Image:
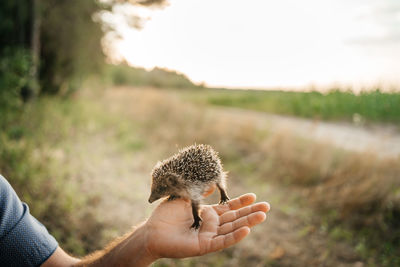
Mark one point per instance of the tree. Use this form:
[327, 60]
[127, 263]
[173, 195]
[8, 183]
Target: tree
[35, 46]
[62, 36]
[15, 59]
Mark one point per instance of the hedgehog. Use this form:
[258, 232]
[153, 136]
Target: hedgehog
[189, 174]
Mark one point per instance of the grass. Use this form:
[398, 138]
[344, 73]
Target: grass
[368, 106]
[32, 166]
[356, 195]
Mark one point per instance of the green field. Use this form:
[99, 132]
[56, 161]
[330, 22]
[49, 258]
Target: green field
[371, 106]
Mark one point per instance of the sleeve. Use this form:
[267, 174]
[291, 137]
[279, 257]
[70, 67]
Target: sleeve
[24, 241]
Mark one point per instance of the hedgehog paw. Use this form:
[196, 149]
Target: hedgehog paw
[224, 200]
[172, 197]
[196, 224]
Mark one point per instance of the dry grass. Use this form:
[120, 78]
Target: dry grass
[351, 183]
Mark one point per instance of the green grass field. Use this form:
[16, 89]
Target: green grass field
[372, 106]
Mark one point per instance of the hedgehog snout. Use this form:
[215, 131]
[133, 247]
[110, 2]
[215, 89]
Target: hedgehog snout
[152, 198]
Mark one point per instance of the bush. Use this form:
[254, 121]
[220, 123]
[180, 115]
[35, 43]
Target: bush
[14, 76]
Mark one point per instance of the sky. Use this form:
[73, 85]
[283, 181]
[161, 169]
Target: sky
[269, 44]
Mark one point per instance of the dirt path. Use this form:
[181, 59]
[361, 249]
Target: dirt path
[382, 140]
[120, 175]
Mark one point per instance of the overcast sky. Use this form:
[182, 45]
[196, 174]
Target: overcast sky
[263, 43]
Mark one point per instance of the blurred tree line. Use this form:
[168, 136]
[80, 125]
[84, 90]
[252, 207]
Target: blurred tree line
[123, 74]
[49, 46]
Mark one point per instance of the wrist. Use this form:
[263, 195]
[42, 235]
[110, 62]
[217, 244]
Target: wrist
[129, 250]
[139, 241]
[134, 250]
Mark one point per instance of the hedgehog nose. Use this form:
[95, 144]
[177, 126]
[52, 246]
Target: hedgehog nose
[151, 199]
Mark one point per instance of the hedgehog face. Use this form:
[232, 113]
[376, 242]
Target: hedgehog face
[164, 185]
[158, 191]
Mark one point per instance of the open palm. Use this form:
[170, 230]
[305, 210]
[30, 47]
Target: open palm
[170, 235]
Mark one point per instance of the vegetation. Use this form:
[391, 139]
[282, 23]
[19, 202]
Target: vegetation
[71, 47]
[71, 37]
[160, 78]
[370, 106]
[29, 164]
[14, 76]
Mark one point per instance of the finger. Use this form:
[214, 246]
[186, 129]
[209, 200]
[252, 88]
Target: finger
[236, 203]
[232, 215]
[210, 220]
[223, 241]
[249, 221]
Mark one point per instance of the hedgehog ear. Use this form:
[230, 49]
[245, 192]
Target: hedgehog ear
[172, 179]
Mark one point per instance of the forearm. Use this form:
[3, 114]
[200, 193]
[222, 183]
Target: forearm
[129, 250]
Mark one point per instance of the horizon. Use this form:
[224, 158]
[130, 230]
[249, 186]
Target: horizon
[308, 88]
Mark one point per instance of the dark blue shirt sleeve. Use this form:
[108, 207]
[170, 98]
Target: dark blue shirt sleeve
[24, 241]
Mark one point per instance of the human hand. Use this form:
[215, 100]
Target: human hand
[169, 234]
